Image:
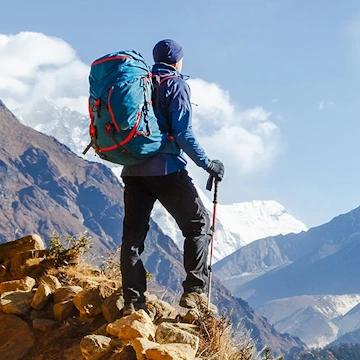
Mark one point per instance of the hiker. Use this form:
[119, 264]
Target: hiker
[164, 177]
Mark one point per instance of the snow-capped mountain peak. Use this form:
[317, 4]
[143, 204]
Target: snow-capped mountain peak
[237, 224]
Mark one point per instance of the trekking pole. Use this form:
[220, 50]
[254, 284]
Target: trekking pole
[212, 229]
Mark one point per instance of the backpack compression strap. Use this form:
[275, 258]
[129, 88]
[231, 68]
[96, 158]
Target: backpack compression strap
[92, 128]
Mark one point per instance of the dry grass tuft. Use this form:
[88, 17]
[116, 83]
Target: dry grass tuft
[217, 341]
[108, 277]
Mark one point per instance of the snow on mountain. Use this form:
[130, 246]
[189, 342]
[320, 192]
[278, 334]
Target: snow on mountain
[316, 320]
[237, 224]
[69, 127]
[350, 321]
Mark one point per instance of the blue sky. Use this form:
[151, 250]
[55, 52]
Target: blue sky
[296, 59]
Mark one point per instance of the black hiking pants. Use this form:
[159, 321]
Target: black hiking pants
[177, 194]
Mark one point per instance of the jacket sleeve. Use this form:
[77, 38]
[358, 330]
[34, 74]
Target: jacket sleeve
[180, 115]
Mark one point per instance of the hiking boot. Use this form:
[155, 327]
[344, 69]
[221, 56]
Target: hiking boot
[194, 300]
[129, 309]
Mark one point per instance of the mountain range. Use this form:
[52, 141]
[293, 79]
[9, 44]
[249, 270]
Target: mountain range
[290, 279]
[237, 224]
[46, 187]
[306, 284]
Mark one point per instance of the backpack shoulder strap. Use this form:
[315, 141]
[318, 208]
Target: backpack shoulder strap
[160, 79]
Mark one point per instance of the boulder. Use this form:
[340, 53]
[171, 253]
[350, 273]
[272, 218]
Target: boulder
[191, 316]
[19, 260]
[66, 293]
[30, 242]
[88, 301]
[111, 307]
[51, 281]
[48, 285]
[160, 309]
[167, 333]
[171, 352]
[140, 346]
[16, 302]
[41, 297]
[17, 337]
[25, 284]
[148, 350]
[93, 347]
[63, 310]
[133, 326]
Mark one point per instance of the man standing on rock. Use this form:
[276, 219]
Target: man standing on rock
[163, 177]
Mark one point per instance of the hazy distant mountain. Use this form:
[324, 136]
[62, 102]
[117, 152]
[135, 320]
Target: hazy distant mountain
[316, 320]
[306, 284]
[323, 260]
[237, 224]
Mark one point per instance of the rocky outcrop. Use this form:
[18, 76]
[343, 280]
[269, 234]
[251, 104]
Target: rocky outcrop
[49, 305]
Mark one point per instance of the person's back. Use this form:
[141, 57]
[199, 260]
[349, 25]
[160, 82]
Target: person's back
[163, 177]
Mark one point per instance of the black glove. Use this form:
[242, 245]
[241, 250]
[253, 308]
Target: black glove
[216, 169]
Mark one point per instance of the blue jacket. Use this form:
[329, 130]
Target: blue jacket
[172, 106]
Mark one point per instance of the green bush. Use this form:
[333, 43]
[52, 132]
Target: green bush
[67, 251]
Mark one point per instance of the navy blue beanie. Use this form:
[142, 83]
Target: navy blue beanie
[168, 51]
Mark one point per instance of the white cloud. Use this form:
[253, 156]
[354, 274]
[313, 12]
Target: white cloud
[33, 65]
[246, 140]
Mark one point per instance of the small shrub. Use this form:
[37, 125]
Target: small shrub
[67, 252]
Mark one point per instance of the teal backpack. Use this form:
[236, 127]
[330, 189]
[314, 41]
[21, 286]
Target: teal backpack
[123, 126]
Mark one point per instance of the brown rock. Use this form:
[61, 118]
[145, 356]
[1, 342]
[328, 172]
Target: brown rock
[44, 325]
[191, 316]
[66, 293]
[171, 352]
[16, 302]
[48, 285]
[30, 242]
[17, 337]
[160, 309]
[133, 326]
[41, 297]
[25, 284]
[64, 310]
[148, 350]
[167, 333]
[19, 260]
[51, 281]
[111, 307]
[140, 346]
[93, 347]
[88, 301]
